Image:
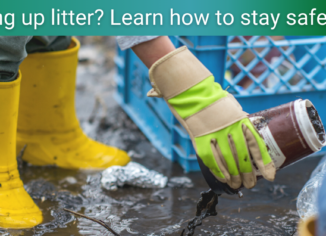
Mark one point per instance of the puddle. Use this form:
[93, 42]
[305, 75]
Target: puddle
[269, 209]
[206, 207]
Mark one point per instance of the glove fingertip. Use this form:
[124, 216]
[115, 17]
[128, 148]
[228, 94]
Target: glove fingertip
[249, 180]
[269, 172]
[227, 177]
[235, 181]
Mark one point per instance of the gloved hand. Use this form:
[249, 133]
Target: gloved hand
[223, 136]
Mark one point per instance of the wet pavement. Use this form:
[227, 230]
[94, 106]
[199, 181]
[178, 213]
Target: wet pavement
[268, 209]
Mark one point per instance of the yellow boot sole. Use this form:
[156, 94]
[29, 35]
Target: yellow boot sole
[71, 150]
[18, 210]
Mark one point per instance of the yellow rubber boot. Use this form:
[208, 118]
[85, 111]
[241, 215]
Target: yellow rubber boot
[47, 121]
[17, 209]
[307, 227]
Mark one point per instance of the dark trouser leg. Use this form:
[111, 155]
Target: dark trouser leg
[48, 43]
[12, 53]
[14, 49]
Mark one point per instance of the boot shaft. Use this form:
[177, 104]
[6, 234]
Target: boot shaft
[9, 97]
[48, 92]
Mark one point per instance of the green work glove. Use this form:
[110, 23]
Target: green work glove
[223, 136]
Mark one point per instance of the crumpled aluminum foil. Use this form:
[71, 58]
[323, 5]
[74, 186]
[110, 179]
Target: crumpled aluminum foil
[132, 174]
[180, 182]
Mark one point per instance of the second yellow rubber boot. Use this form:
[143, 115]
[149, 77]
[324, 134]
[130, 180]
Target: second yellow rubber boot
[307, 227]
[47, 121]
[17, 209]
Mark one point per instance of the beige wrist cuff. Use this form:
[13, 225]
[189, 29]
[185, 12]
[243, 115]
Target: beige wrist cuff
[175, 73]
[219, 115]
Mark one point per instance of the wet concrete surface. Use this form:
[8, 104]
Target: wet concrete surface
[268, 209]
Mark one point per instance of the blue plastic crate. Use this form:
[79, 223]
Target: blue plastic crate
[261, 73]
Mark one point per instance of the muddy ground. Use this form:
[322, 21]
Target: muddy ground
[268, 209]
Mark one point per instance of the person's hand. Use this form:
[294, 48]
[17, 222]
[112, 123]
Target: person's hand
[222, 134]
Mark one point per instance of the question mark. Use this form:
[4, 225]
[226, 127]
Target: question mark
[99, 18]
